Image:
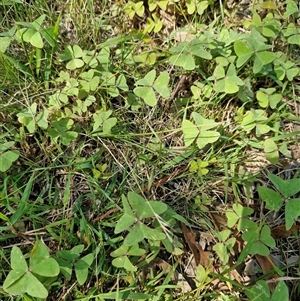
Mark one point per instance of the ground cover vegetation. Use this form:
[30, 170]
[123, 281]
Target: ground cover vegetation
[149, 150]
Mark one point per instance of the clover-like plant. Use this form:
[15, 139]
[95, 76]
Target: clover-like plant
[284, 196]
[199, 131]
[24, 279]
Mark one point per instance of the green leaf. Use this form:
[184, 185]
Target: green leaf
[292, 212]
[261, 59]
[291, 8]
[27, 284]
[232, 218]
[65, 268]
[124, 222]
[203, 123]
[124, 262]
[241, 210]
[4, 43]
[71, 255]
[263, 99]
[135, 235]
[75, 64]
[122, 250]
[152, 234]
[82, 268]
[266, 238]
[161, 84]
[136, 251]
[41, 263]
[148, 79]
[207, 137]
[272, 198]
[281, 292]
[271, 151]
[143, 208]
[259, 292]
[243, 51]
[222, 252]
[35, 288]
[287, 187]
[14, 281]
[17, 260]
[190, 132]
[7, 159]
[184, 60]
[147, 94]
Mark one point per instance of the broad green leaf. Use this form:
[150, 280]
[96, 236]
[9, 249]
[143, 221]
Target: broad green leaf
[259, 292]
[143, 208]
[41, 263]
[7, 159]
[262, 129]
[263, 99]
[82, 268]
[36, 40]
[265, 236]
[161, 84]
[77, 51]
[274, 100]
[241, 210]
[287, 187]
[38, 22]
[291, 8]
[136, 251]
[245, 224]
[243, 51]
[259, 248]
[148, 79]
[291, 73]
[71, 255]
[232, 218]
[184, 60]
[124, 262]
[17, 260]
[108, 124]
[292, 212]
[190, 132]
[15, 282]
[135, 235]
[226, 85]
[281, 292]
[222, 252]
[125, 222]
[66, 267]
[26, 284]
[75, 64]
[35, 288]
[14, 277]
[203, 123]
[272, 198]
[202, 6]
[261, 59]
[147, 94]
[271, 151]
[6, 145]
[196, 48]
[122, 250]
[207, 137]
[4, 43]
[152, 234]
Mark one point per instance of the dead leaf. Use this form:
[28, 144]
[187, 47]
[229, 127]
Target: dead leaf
[267, 265]
[280, 232]
[200, 256]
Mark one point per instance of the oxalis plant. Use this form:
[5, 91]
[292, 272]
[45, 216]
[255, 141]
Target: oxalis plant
[144, 220]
